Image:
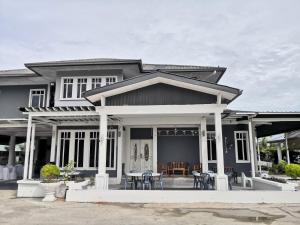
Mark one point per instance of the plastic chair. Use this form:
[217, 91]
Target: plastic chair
[129, 181]
[196, 180]
[160, 180]
[245, 180]
[1, 172]
[146, 180]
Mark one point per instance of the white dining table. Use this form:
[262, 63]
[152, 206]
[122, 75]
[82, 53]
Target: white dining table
[210, 174]
[139, 174]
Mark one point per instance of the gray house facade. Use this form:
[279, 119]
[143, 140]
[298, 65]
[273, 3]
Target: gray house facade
[111, 116]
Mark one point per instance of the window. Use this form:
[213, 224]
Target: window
[82, 147]
[37, 98]
[64, 148]
[111, 149]
[211, 146]
[96, 82]
[81, 86]
[79, 149]
[67, 88]
[72, 88]
[94, 149]
[110, 80]
[241, 146]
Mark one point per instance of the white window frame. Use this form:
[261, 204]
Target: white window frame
[211, 161]
[80, 84]
[88, 85]
[236, 146]
[86, 153]
[43, 96]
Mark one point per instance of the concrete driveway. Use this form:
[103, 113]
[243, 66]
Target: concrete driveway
[33, 211]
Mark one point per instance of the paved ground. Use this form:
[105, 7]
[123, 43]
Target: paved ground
[15, 211]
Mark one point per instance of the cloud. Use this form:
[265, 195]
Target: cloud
[258, 41]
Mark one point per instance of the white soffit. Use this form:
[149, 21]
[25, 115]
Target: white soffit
[156, 80]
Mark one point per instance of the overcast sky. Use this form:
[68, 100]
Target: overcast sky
[258, 41]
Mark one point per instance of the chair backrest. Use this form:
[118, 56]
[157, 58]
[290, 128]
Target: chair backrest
[146, 176]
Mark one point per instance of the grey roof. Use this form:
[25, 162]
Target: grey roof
[16, 73]
[181, 67]
[84, 62]
[172, 76]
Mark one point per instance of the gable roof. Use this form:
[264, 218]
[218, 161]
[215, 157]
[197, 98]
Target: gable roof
[137, 82]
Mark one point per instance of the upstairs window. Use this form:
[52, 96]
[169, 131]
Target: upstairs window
[37, 98]
[110, 80]
[67, 88]
[81, 86]
[211, 146]
[241, 147]
[96, 82]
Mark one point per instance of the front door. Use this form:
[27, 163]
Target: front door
[141, 155]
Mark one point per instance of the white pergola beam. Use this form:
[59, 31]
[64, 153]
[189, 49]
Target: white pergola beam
[162, 109]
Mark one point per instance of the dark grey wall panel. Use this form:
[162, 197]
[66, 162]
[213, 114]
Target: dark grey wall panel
[178, 148]
[13, 97]
[141, 133]
[161, 94]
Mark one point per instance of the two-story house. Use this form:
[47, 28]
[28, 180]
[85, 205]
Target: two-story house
[110, 116]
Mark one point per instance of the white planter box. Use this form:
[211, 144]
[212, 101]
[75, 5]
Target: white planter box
[30, 189]
[263, 184]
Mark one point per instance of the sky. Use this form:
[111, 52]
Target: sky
[258, 40]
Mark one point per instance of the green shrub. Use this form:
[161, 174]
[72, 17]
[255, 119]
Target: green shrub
[292, 170]
[50, 172]
[281, 166]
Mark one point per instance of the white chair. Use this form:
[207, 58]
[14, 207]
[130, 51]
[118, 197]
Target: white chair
[245, 180]
[5, 173]
[12, 173]
[19, 170]
[1, 172]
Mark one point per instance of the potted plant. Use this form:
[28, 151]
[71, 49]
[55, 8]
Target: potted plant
[67, 172]
[49, 175]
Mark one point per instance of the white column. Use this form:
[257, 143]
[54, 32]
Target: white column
[102, 176]
[203, 136]
[258, 150]
[251, 144]
[287, 149]
[221, 179]
[120, 153]
[53, 143]
[200, 145]
[32, 147]
[279, 155]
[154, 154]
[12, 153]
[29, 124]
[127, 149]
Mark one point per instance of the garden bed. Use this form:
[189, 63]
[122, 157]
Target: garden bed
[267, 184]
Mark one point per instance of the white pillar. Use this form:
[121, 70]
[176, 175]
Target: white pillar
[127, 149]
[120, 152]
[12, 153]
[221, 179]
[279, 155]
[287, 149]
[32, 147]
[102, 176]
[200, 145]
[154, 155]
[251, 144]
[203, 137]
[53, 143]
[29, 124]
[258, 150]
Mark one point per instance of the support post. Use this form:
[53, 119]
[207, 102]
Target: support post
[32, 147]
[53, 143]
[102, 176]
[287, 149]
[120, 153]
[279, 155]
[250, 130]
[221, 179]
[154, 155]
[203, 136]
[258, 150]
[12, 152]
[29, 124]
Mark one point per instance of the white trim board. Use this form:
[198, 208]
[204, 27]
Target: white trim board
[156, 80]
